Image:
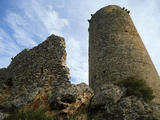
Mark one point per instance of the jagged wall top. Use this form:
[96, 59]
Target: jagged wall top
[43, 66]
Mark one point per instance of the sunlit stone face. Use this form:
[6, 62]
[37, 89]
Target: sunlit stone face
[116, 50]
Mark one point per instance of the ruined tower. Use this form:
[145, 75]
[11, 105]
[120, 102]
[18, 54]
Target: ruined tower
[116, 50]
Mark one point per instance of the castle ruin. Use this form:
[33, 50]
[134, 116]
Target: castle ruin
[38, 78]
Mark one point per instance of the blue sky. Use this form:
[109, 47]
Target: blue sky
[26, 23]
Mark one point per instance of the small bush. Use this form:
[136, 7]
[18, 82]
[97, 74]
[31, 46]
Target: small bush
[66, 116]
[29, 115]
[138, 88]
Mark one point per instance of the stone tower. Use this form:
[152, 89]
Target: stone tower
[116, 50]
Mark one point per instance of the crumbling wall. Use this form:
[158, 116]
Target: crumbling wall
[36, 68]
[38, 78]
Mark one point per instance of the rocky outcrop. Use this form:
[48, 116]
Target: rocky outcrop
[111, 103]
[72, 100]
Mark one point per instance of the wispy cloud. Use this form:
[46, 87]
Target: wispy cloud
[7, 46]
[29, 25]
[18, 24]
[77, 61]
[34, 20]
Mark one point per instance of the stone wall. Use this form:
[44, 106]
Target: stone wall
[38, 78]
[36, 68]
[2, 76]
[116, 50]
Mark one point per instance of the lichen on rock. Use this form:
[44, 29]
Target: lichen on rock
[39, 78]
[30, 70]
[111, 103]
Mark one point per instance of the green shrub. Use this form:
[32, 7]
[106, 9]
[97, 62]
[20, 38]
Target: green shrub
[29, 115]
[138, 88]
[66, 116]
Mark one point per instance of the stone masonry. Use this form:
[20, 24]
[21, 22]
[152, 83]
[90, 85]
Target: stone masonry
[38, 78]
[43, 66]
[116, 50]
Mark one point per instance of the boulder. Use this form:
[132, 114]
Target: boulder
[111, 103]
[72, 100]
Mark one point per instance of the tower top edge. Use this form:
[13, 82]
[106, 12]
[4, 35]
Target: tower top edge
[109, 8]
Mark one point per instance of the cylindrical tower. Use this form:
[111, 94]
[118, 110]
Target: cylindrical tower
[116, 50]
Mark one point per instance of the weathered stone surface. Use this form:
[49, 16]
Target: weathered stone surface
[71, 100]
[156, 109]
[116, 51]
[107, 93]
[2, 76]
[32, 70]
[110, 103]
[38, 78]
[3, 115]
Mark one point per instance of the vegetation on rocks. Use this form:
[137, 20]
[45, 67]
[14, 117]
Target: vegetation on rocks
[138, 88]
[29, 115]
